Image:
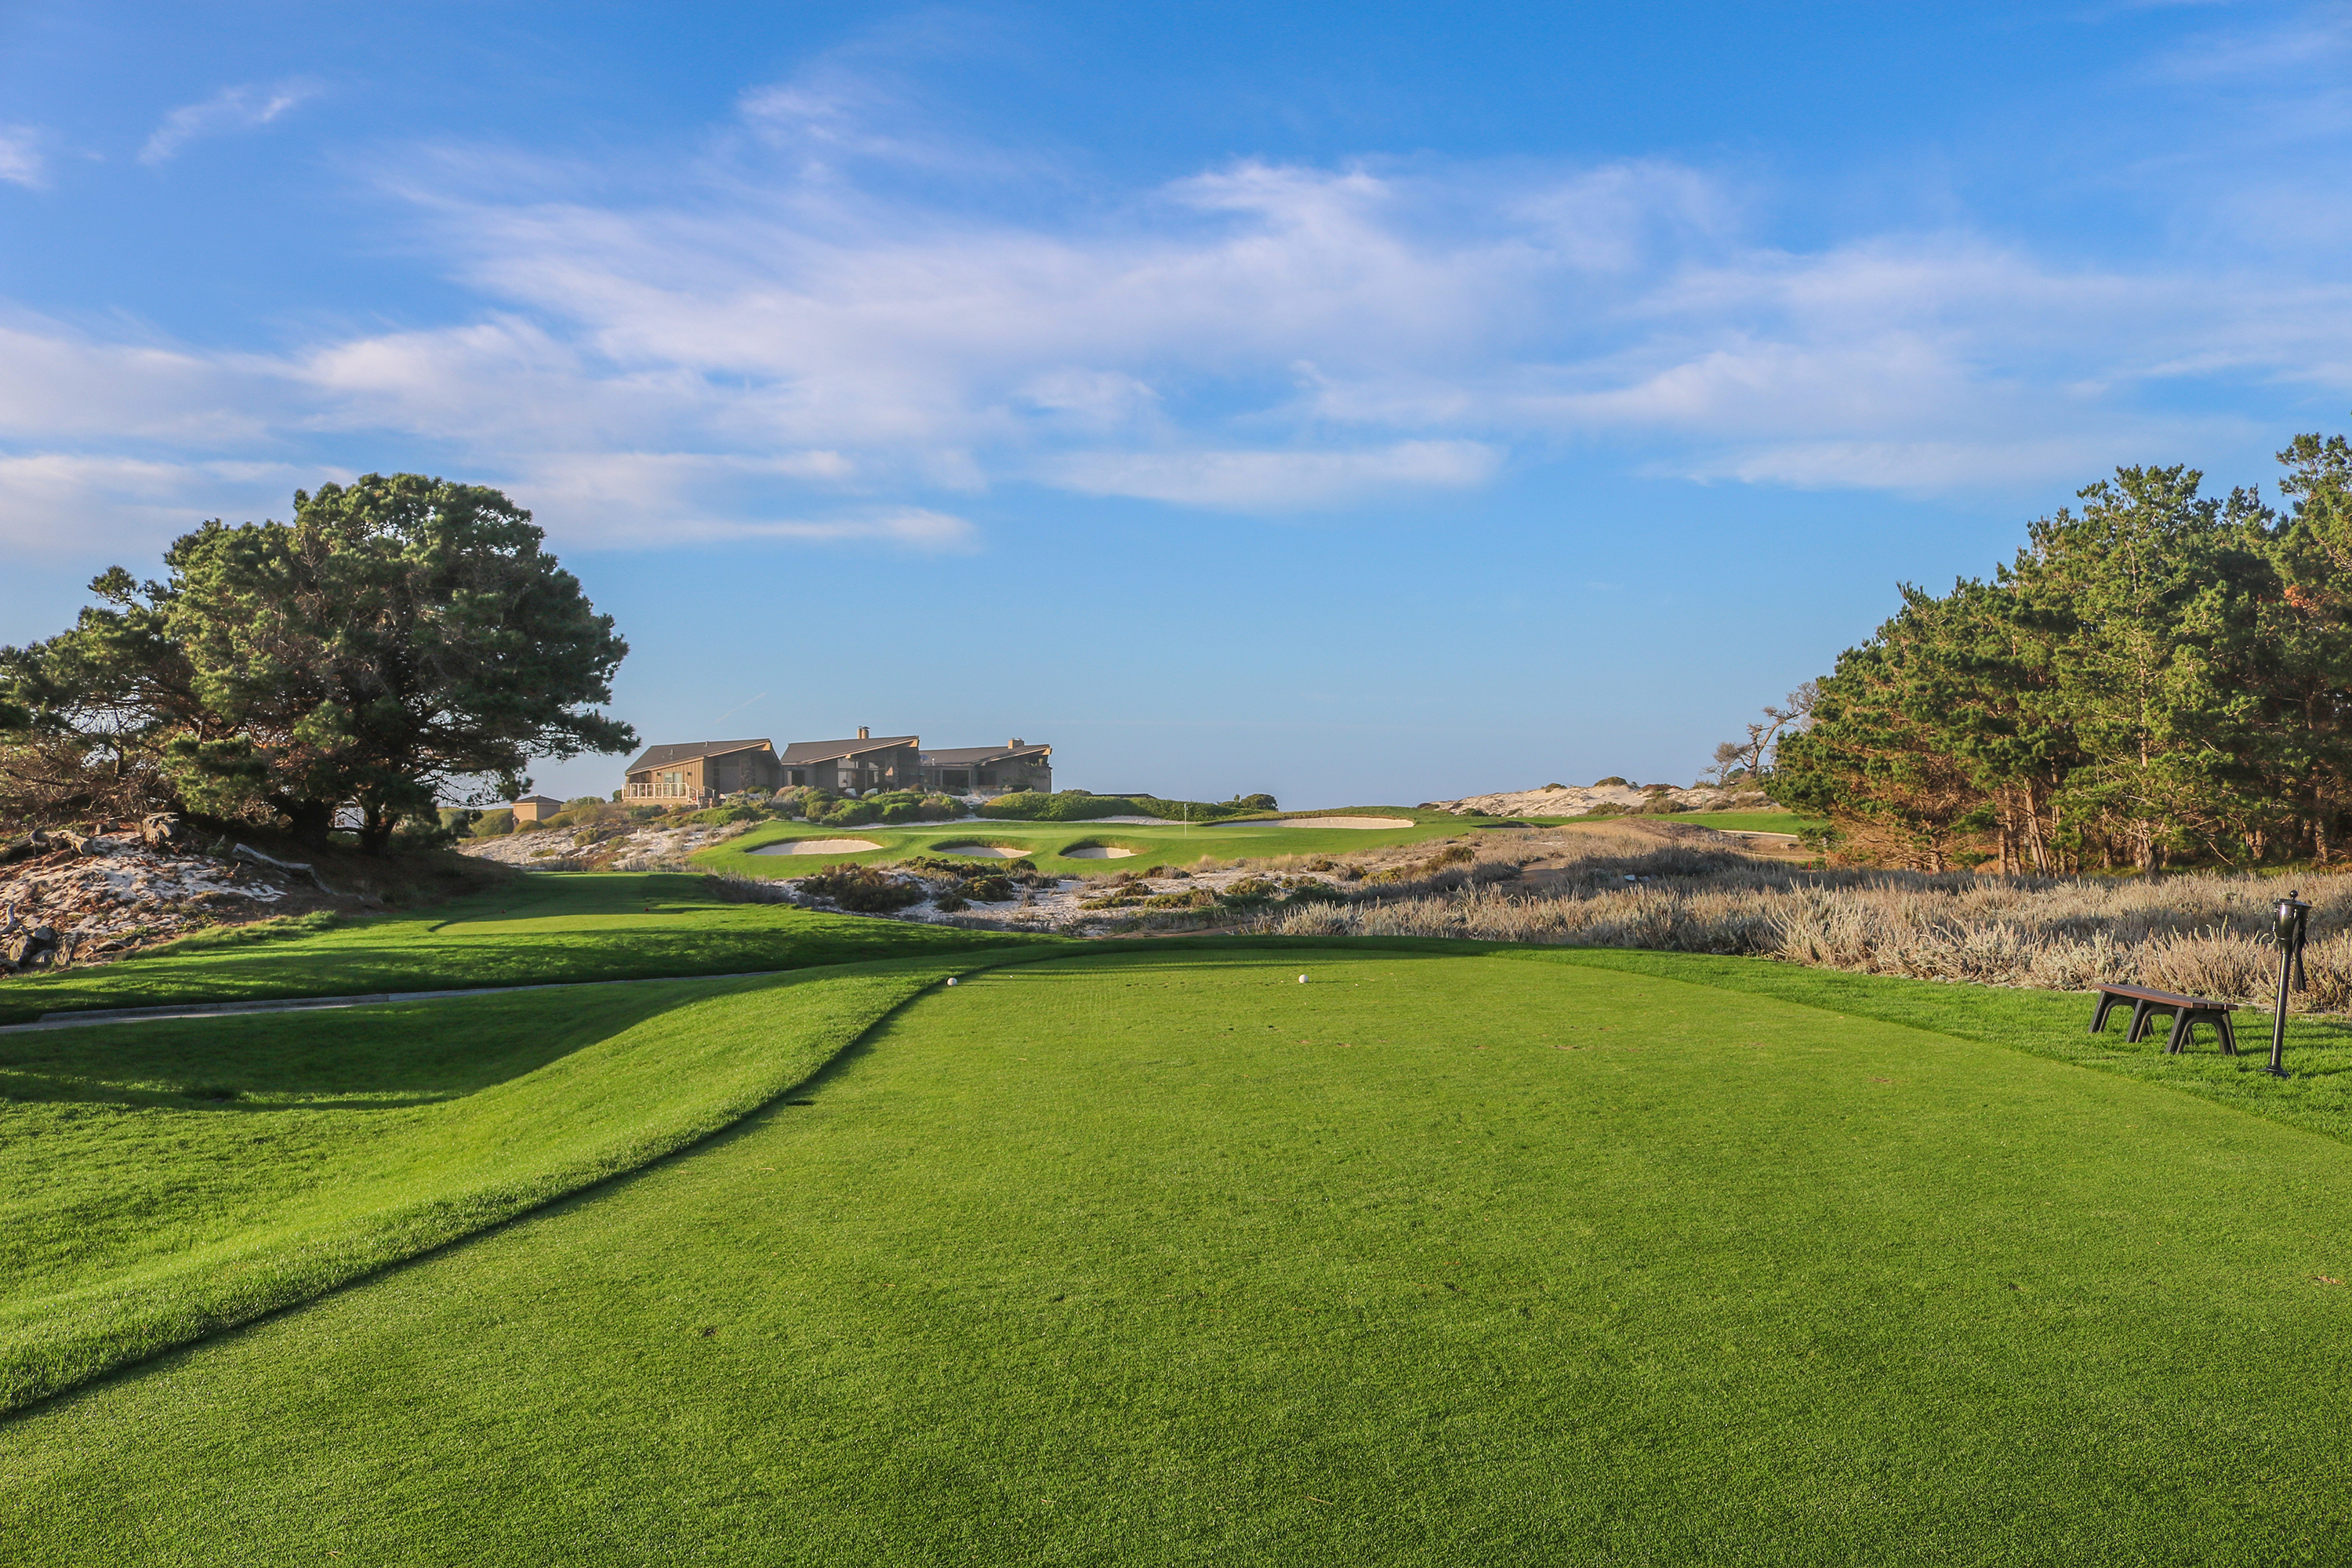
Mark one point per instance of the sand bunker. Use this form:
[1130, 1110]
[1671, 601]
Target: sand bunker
[819, 846]
[1365, 822]
[1099, 852]
[986, 851]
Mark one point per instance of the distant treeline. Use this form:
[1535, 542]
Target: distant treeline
[2160, 676]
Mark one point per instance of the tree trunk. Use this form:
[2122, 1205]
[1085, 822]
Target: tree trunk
[375, 832]
[308, 821]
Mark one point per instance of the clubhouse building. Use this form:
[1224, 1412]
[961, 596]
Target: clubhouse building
[700, 771]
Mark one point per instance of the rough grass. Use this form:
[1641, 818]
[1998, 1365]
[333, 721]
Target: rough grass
[534, 930]
[161, 1181]
[1643, 887]
[1157, 1255]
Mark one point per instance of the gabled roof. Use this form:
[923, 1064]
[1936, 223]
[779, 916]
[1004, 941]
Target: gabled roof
[966, 756]
[538, 800]
[669, 756]
[801, 752]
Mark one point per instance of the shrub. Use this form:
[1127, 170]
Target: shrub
[864, 890]
[1612, 782]
[493, 825]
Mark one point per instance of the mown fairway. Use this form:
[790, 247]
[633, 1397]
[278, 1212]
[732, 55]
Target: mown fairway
[1045, 843]
[1155, 1255]
[159, 1181]
[546, 928]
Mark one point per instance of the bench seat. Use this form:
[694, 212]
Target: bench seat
[2188, 1012]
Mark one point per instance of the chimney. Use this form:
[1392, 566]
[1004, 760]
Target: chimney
[1016, 740]
[864, 733]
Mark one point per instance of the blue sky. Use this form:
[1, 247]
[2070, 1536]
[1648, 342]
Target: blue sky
[1362, 403]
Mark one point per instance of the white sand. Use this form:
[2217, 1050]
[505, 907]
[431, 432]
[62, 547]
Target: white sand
[986, 851]
[819, 846]
[1364, 822]
[1099, 852]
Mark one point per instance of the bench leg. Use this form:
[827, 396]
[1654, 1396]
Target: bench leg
[2139, 1031]
[2099, 1018]
[2184, 1031]
[2229, 1035]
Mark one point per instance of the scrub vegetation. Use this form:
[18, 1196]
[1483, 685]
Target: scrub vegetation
[1660, 887]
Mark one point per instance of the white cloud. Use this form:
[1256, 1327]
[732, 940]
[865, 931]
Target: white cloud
[784, 342]
[70, 506]
[22, 161]
[1280, 481]
[231, 109]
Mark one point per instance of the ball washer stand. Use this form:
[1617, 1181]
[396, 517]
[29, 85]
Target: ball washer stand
[2293, 925]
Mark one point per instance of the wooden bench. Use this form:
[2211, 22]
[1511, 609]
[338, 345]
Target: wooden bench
[2188, 1012]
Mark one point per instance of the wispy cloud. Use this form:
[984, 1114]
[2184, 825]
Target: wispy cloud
[782, 342]
[231, 109]
[22, 160]
[1278, 481]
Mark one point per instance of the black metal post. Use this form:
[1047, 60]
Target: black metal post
[2294, 922]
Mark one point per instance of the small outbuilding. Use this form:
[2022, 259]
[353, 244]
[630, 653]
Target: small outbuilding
[535, 808]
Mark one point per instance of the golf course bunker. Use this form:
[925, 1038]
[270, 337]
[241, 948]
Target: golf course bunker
[819, 846]
[1097, 852]
[985, 851]
[1364, 822]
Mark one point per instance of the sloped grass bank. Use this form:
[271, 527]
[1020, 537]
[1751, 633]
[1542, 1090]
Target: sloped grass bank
[544, 929]
[163, 1181]
[1155, 1255]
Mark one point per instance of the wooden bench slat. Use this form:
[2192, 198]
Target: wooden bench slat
[2170, 998]
[2188, 1012]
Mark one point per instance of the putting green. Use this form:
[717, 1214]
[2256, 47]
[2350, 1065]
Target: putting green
[1159, 1256]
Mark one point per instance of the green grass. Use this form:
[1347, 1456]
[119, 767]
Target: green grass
[544, 929]
[163, 1180]
[1044, 842]
[1153, 1254]
[1748, 821]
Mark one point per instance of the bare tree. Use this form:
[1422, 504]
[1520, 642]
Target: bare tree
[1752, 758]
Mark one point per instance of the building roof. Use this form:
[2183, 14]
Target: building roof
[668, 756]
[966, 756]
[801, 752]
[536, 800]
